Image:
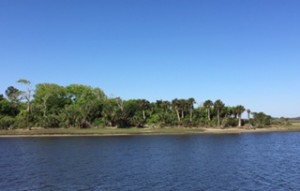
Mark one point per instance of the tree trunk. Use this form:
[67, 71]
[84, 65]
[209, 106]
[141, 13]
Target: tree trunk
[28, 106]
[240, 120]
[45, 108]
[178, 116]
[218, 113]
[208, 114]
[28, 97]
[144, 115]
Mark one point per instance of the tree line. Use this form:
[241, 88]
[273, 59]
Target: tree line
[80, 106]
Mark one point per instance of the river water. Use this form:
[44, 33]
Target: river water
[268, 161]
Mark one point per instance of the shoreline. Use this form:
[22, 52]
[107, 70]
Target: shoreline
[109, 132]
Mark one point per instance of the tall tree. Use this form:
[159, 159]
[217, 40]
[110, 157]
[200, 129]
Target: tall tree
[163, 105]
[50, 99]
[161, 114]
[249, 114]
[27, 93]
[176, 105]
[208, 105]
[145, 105]
[110, 111]
[235, 112]
[13, 94]
[120, 103]
[190, 105]
[228, 111]
[86, 101]
[218, 106]
[240, 110]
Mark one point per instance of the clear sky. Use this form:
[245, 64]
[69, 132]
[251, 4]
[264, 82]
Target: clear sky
[240, 51]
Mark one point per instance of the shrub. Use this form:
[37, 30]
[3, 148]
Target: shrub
[7, 122]
[99, 123]
[261, 120]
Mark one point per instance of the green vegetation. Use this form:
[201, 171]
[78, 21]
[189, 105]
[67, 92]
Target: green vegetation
[103, 131]
[83, 107]
[296, 124]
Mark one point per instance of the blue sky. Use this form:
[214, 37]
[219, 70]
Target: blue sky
[242, 52]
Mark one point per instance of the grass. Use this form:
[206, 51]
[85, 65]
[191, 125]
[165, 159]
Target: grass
[296, 124]
[101, 131]
[295, 127]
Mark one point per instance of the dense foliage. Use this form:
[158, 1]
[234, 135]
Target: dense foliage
[54, 106]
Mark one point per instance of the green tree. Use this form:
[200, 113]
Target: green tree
[144, 105]
[8, 113]
[181, 107]
[134, 113]
[85, 101]
[8, 108]
[261, 119]
[111, 110]
[27, 93]
[208, 104]
[190, 106]
[283, 121]
[162, 115]
[177, 106]
[249, 115]
[1, 97]
[218, 106]
[50, 101]
[13, 94]
[240, 110]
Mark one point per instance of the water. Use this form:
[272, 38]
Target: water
[202, 162]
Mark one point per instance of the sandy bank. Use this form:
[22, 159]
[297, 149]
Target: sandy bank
[137, 131]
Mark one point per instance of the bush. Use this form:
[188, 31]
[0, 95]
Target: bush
[281, 121]
[212, 123]
[7, 122]
[22, 119]
[52, 121]
[154, 120]
[261, 120]
[99, 123]
[229, 122]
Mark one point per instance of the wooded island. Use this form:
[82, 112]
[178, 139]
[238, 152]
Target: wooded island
[80, 106]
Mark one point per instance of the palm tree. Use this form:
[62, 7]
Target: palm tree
[162, 108]
[144, 105]
[162, 105]
[180, 106]
[229, 111]
[249, 113]
[208, 105]
[235, 113]
[190, 103]
[166, 106]
[239, 110]
[249, 117]
[176, 106]
[218, 106]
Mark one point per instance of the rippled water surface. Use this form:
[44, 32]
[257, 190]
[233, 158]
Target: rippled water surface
[202, 162]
